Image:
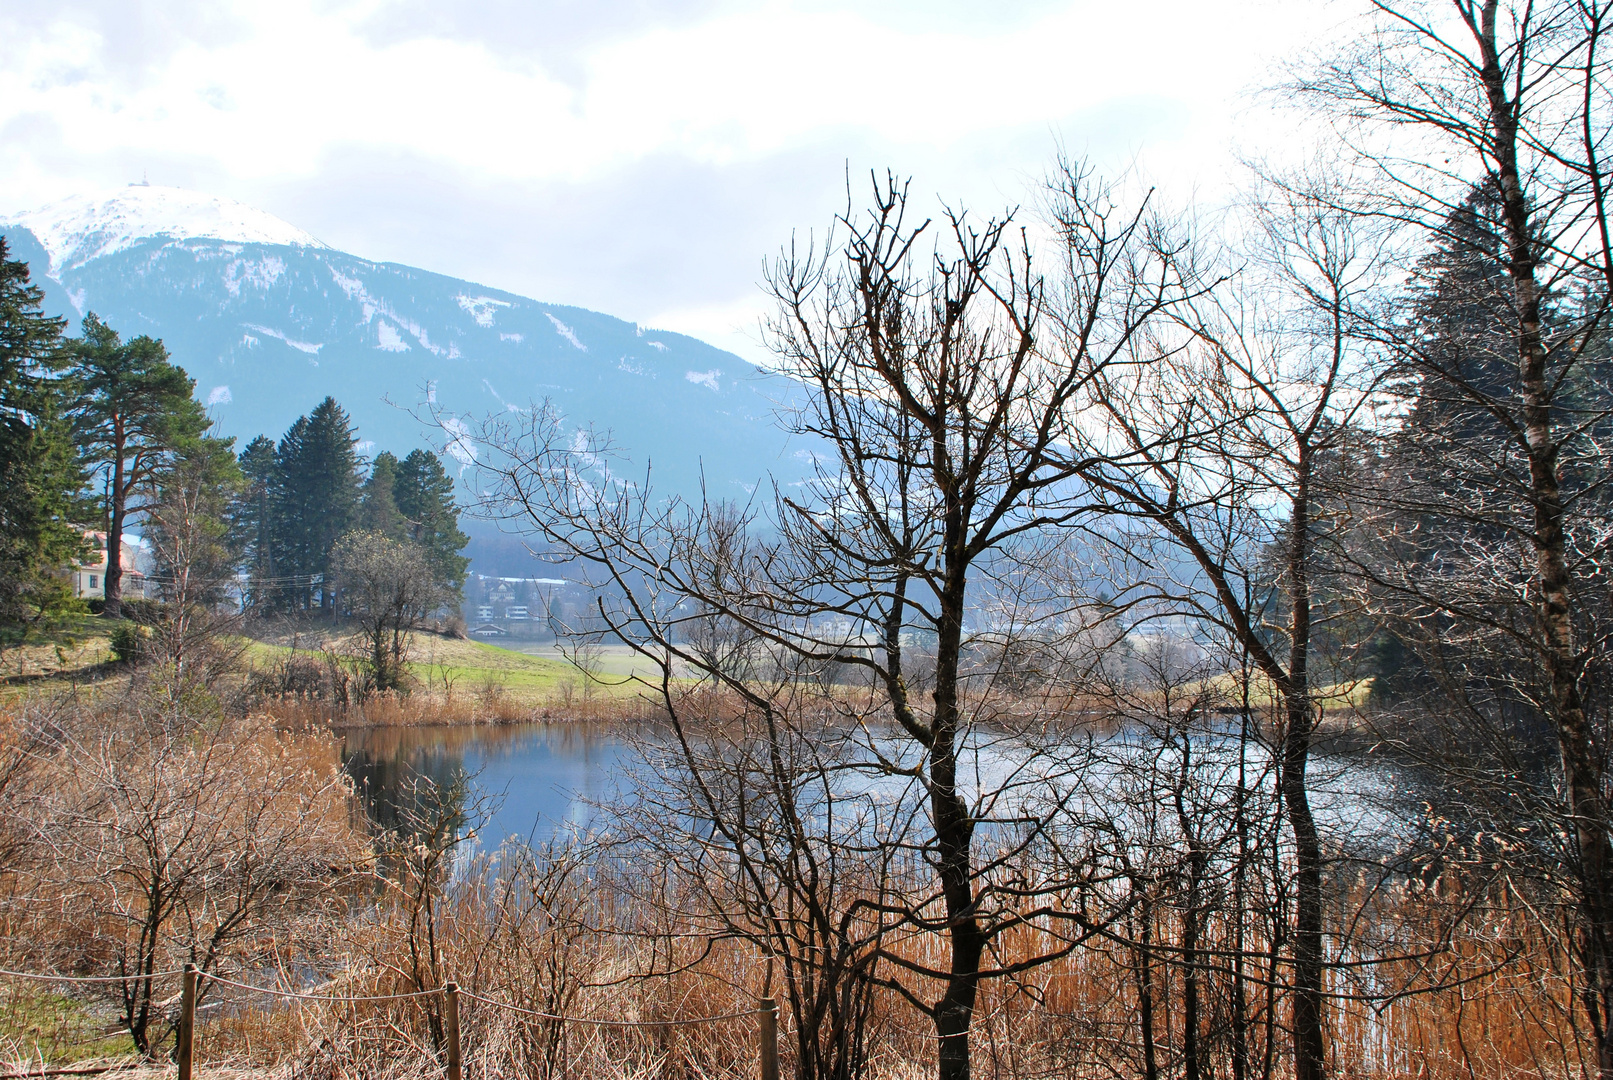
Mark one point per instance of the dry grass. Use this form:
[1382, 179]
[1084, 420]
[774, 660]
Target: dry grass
[424, 708]
[1076, 1017]
[543, 944]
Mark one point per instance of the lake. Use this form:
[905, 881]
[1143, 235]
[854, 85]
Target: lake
[539, 779]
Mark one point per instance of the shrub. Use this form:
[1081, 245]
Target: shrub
[129, 642]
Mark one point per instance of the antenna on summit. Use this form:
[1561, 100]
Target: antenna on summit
[145, 178]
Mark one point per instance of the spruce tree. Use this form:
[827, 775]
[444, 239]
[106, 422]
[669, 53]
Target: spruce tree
[38, 465]
[378, 506]
[1458, 319]
[292, 583]
[314, 501]
[425, 497]
[255, 520]
[134, 409]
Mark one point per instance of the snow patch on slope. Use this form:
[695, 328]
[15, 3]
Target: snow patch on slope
[481, 308]
[259, 273]
[373, 306]
[83, 227]
[301, 346]
[460, 445]
[707, 379]
[566, 332]
[390, 339]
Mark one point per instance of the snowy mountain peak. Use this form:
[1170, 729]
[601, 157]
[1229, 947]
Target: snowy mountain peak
[83, 227]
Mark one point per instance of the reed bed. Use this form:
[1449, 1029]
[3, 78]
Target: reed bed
[434, 708]
[556, 939]
[1453, 979]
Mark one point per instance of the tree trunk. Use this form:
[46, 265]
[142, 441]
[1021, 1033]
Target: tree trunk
[954, 836]
[1145, 992]
[113, 581]
[1309, 1044]
[1239, 1004]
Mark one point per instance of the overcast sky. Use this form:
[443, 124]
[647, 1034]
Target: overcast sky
[637, 157]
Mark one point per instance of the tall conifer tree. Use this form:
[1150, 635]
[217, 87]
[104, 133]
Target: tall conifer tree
[378, 507]
[315, 499]
[425, 497]
[289, 546]
[134, 410]
[256, 518]
[38, 466]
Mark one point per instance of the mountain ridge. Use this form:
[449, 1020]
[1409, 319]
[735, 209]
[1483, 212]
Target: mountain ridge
[268, 320]
[83, 227]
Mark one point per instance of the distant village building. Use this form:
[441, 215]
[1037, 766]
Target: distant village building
[526, 607]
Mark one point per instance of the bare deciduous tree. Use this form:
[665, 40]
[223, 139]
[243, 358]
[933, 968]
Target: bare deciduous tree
[1511, 100]
[390, 589]
[177, 838]
[186, 520]
[946, 423]
[1224, 440]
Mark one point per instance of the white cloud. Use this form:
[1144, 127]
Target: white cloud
[715, 90]
[481, 139]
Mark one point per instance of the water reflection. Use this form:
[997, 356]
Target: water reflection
[542, 778]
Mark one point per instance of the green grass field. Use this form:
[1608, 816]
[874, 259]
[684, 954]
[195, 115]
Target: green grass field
[60, 1029]
[440, 663]
[478, 666]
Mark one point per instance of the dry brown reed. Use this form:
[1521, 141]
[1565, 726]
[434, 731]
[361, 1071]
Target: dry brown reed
[549, 940]
[431, 708]
[554, 931]
[555, 942]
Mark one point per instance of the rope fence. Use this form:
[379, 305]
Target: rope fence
[191, 977]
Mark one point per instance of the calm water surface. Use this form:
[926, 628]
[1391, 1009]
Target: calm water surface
[539, 779]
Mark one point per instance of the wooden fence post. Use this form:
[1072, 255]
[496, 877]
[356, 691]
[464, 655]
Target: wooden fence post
[767, 1033]
[185, 1051]
[450, 994]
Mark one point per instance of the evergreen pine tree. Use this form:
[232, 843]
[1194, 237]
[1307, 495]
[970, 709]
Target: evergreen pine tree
[289, 550]
[134, 409]
[425, 497]
[314, 500]
[1460, 314]
[378, 507]
[255, 518]
[38, 465]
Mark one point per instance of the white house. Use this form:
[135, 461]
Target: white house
[89, 574]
